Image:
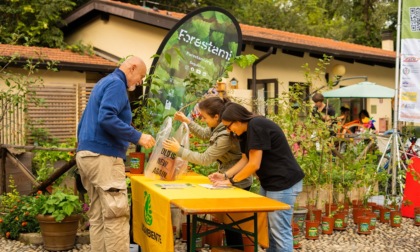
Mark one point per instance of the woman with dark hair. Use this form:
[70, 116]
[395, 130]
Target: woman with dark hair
[266, 152]
[365, 119]
[222, 149]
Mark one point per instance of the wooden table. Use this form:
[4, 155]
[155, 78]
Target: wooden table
[242, 211]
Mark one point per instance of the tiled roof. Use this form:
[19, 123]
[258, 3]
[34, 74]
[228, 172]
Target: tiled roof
[251, 34]
[62, 57]
[328, 45]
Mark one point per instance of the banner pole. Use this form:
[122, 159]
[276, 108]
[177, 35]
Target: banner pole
[395, 148]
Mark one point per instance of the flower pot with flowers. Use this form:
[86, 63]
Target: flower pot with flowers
[58, 215]
[14, 215]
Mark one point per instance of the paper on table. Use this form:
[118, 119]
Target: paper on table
[174, 186]
[210, 186]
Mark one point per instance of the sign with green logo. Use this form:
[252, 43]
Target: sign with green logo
[201, 45]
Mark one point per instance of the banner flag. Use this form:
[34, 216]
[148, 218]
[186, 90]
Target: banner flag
[409, 100]
[201, 44]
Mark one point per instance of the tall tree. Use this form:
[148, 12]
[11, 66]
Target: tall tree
[355, 21]
[33, 22]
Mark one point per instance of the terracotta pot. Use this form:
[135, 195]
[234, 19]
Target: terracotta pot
[371, 204]
[327, 225]
[58, 235]
[314, 214]
[384, 215]
[357, 211]
[373, 220]
[363, 226]
[214, 239]
[327, 208]
[296, 238]
[356, 203]
[340, 221]
[311, 229]
[377, 210]
[395, 218]
[299, 217]
[417, 216]
[346, 217]
[344, 204]
[136, 162]
[248, 244]
[200, 229]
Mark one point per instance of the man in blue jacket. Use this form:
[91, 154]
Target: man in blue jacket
[104, 133]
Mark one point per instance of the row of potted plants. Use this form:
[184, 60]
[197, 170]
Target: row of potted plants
[365, 218]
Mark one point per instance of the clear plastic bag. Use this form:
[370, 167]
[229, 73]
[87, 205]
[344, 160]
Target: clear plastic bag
[182, 136]
[164, 164]
[161, 161]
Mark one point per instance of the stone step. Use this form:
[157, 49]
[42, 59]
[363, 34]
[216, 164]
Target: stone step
[36, 238]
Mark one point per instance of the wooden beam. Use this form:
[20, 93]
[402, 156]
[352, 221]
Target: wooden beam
[54, 176]
[33, 147]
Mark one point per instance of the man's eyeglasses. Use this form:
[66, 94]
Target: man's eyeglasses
[228, 127]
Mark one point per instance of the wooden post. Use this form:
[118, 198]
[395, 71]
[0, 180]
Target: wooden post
[3, 171]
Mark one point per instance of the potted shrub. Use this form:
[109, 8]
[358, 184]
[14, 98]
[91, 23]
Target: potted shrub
[58, 215]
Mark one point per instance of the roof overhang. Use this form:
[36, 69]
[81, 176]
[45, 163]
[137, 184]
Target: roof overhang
[255, 36]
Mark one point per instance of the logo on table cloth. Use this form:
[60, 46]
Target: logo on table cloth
[148, 217]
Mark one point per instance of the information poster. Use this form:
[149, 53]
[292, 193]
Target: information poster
[409, 102]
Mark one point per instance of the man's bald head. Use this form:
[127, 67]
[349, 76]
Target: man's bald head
[134, 69]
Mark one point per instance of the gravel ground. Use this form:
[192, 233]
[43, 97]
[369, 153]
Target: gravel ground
[384, 238]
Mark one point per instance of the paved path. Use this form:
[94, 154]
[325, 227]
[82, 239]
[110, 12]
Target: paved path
[383, 238]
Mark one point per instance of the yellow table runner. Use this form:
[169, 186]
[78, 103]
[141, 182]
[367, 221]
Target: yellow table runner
[152, 225]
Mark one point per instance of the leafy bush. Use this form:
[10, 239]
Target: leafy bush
[19, 220]
[58, 204]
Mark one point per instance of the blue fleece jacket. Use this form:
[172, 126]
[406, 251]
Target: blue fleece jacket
[105, 126]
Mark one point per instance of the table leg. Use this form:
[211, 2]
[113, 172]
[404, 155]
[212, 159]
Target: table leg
[188, 233]
[193, 233]
[255, 232]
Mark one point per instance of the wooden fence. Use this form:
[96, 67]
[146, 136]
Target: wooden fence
[58, 116]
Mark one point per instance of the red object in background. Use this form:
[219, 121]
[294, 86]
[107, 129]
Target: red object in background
[412, 189]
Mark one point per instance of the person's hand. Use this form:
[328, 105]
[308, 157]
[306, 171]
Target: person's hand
[217, 176]
[147, 141]
[225, 182]
[179, 116]
[172, 145]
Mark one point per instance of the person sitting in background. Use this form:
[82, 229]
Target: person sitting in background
[344, 115]
[366, 120]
